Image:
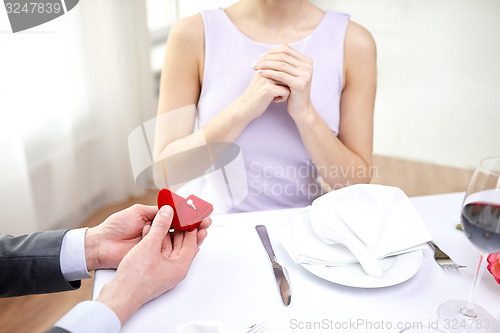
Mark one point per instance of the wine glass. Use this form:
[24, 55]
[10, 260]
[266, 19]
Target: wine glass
[481, 223]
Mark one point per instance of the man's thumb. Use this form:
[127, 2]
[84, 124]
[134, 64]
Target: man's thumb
[161, 223]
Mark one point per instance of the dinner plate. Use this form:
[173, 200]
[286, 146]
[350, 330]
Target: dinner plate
[397, 269]
[342, 267]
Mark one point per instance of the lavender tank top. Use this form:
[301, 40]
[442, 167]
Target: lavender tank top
[279, 171]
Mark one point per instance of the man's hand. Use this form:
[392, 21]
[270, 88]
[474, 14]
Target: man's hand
[107, 243]
[154, 266]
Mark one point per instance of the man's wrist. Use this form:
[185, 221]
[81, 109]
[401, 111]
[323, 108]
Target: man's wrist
[92, 241]
[117, 299]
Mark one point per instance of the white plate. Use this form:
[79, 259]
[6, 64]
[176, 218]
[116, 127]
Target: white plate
[343, 268]
[397, 269]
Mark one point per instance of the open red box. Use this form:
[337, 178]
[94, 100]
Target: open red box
[186, 217]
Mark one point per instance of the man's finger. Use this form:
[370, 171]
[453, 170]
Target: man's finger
[145, 230]
[166, 246]
[201, 235]
[189, 247]
[178, 240]
[160, 226]
[148, 213]
[205, 223]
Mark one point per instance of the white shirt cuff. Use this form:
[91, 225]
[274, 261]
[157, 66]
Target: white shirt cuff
[73, 264]
[90, 316]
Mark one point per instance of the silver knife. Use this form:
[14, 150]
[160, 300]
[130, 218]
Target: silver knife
[280, 272]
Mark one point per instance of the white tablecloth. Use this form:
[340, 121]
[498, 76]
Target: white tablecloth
[231, 282]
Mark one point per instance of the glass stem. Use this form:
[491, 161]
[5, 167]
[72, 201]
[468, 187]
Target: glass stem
[468, 309]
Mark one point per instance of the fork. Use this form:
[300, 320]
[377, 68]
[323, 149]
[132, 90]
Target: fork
[442, 258]
[260, 327]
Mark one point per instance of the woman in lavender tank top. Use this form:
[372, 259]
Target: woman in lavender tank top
[291, 85]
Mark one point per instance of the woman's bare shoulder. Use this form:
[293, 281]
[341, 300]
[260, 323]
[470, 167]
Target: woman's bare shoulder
[188, 30]
[359, 42]
[185, 45]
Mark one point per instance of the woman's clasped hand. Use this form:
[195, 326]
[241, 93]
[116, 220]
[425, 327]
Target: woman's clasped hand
[291, 69]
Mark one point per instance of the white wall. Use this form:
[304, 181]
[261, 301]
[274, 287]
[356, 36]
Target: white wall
[438, 97]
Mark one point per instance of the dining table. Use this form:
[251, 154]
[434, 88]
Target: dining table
[231, 282]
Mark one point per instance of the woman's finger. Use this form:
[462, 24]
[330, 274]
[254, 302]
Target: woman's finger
[278, 66]
[281, 57]
[279, 89]
[286, 49]
[281, 77]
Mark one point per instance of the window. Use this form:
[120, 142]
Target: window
[162, 14]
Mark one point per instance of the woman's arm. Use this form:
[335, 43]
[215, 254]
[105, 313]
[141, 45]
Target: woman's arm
[180, 86]
[181, 80]
[346, 159]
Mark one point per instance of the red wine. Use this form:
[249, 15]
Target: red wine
[481, 223]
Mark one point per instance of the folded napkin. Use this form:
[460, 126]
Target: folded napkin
[305, 247]
[360, 223]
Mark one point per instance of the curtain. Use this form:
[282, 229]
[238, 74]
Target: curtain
[71, 91]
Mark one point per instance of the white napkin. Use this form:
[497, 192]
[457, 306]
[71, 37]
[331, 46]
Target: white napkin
[305, 247]
[362, 223]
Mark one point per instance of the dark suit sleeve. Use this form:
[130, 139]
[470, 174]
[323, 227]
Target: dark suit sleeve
[30, 264]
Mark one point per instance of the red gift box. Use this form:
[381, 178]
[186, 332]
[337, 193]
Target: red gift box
[188, 213]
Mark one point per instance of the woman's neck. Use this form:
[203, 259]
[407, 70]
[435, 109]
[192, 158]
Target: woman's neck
[276, 13]
[283, 19]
